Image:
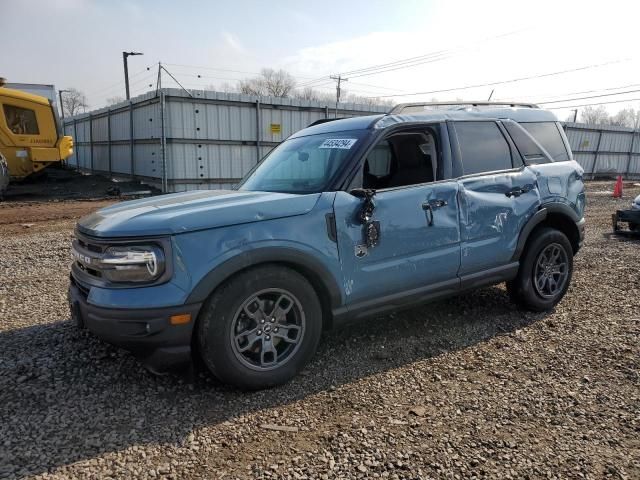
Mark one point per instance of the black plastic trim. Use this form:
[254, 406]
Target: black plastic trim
[146, 332]
[331, 227]
[252, 258]
[396, 301]
[488, 277]
[537, 218]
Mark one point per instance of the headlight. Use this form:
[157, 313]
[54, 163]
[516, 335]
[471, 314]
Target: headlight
[143, 263]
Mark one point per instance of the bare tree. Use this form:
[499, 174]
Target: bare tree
[114, 100]
[73, 100]
[595, 115]
[276, 83]
[627, 117]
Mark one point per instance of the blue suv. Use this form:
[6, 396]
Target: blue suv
[345, 219]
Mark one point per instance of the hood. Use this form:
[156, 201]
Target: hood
[189, 211]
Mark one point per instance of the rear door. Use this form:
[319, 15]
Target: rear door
[497, 195]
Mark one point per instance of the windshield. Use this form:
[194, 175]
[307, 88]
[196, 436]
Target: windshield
[304, 164]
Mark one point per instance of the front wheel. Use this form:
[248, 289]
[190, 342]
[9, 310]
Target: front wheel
[545, 271]
[260, 328]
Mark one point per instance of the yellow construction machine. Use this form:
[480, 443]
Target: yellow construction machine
[30, 135]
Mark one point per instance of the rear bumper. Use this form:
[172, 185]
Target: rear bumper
[631, 217]
[147, 333]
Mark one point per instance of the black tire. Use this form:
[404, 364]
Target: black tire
[523, 290]
[226, 325]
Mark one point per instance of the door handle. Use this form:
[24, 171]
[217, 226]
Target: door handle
[428, 211]
[438, 203]
[516, 192]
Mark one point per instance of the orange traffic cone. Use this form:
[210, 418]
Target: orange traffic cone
[617, 190]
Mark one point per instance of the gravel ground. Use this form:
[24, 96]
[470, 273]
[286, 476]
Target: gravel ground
[469, 387]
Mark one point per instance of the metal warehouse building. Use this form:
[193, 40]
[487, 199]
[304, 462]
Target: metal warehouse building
[209, 140]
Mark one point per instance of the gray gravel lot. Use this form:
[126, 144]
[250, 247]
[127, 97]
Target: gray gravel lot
[468, 387]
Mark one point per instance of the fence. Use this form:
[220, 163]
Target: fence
[605, 151]
[178, 142]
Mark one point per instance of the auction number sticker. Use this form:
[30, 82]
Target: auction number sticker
[341, 143]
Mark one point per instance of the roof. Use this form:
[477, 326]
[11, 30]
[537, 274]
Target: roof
[521, 115]
[17, 94]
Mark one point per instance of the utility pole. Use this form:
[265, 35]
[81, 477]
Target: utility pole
[338, 79]
[575, 115]
[491, 95]
[126, 70]
[60, 92]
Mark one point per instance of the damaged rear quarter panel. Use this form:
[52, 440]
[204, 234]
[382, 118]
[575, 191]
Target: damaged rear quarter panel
[561, 182]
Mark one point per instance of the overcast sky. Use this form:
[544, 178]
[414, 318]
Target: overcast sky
[78, 43]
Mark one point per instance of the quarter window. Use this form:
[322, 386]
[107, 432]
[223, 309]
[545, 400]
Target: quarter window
[21, 121]
[531, 151]
[548, 135]
[483, 147]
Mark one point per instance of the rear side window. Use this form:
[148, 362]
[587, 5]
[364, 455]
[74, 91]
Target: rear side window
[548, 135]
[530, 151]
[21, 121]
[483, 147]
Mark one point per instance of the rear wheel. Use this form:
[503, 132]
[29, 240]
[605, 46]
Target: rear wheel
[260, 328]
[545, 271]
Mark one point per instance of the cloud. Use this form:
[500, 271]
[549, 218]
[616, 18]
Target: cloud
[233, 42]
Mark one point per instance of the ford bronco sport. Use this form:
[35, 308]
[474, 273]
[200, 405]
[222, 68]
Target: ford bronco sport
[345, 219]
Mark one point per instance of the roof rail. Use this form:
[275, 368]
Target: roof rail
[403, 107]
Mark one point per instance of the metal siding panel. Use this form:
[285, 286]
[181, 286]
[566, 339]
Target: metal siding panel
[121, 159]
[101, 158]
[611, 163]
[148, 160]
[100, 133]
[585, 160]
[120, 126]
[146, 121]
[615, 142]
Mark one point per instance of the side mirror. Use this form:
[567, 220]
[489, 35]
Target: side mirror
[366, 193]
[366, 212]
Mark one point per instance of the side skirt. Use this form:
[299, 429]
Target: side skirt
[421, 295]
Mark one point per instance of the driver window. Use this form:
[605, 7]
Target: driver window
[405, 158]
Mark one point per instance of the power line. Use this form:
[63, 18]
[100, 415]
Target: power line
[592, 104]
[513, 80]
[119, 83]
[591, 96]
[420, 59]
[581, 92]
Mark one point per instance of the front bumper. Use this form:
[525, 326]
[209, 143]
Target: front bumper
[147, 333]
[630, 217]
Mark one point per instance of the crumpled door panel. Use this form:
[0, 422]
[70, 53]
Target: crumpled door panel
[494, 208]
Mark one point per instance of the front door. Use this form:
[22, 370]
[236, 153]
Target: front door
[418, 250]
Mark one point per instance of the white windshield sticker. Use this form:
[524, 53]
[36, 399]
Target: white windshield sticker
[342, 143]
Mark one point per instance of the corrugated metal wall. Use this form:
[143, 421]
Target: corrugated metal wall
[211, 139]
[605, 151]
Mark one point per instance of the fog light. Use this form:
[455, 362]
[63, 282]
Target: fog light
[180, 319]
